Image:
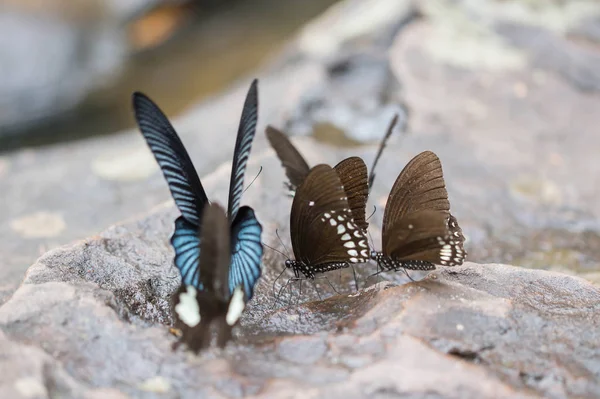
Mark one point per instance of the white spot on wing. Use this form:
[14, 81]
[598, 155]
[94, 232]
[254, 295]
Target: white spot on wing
[346, 236]
[236, 306]
[349, 244]
[311, 203]
[341, 229]
[327, 215]
[352, 252]
[187, 309]
[332, 222]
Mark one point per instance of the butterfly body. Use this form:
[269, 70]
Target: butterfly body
[310, 271]
[218, 254]
[196, 310]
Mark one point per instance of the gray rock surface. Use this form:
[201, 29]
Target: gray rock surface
[515, 128]
[93, 318]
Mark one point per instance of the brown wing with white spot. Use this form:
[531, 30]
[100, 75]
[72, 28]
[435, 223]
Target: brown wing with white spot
[321, 223]
[419, 199]
[424, 236]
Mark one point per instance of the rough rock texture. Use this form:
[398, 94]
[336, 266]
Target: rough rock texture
[94, 317]
[514, 126]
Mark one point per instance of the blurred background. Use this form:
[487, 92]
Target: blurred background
[67, 71]
[69, 67]
[506, 92]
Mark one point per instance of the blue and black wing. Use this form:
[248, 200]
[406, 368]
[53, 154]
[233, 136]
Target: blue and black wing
[183, 181]
[246, 251]
[243, 145]
[176, 165]
[186, 242]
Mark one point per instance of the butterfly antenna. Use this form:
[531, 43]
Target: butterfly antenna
[371, 239]
[276, 250]
[281, 241]
[371, 215]
[255, 177]
[381, 147]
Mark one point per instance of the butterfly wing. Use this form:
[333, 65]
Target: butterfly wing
[417, 224]
[296, 168]
[381, 147]
[424, 236]
[243, 145]
[321, 223]
[353, 175]
[176, 165]
[420, 186]
[246, 252]
[186, 243]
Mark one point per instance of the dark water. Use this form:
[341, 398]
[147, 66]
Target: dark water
[214, 50]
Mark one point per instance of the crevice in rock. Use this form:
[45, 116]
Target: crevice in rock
[470, 355]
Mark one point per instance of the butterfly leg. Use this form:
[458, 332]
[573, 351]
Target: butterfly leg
[299, 291]
[354, 274]
[281, 291]
[329, 282]
[275, 281]
[316, 289]
[408, 275]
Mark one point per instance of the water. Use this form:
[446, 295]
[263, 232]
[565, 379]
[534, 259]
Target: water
[200, 61]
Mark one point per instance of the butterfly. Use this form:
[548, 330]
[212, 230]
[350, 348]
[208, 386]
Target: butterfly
[190, 197]
[324, 235]
[296, 167]
[418, 230]
[198, 309]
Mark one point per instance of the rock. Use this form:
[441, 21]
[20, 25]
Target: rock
[520, 164]
[516, 135]
[100, 307]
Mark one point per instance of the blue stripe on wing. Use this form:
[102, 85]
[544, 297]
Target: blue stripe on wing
[246, 251]
[186, 242]
[243, 145]
[176, 165]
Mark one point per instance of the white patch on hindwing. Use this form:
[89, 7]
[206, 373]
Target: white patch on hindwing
[187, 309]
[236, 306]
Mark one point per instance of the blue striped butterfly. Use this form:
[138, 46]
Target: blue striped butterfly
[197, 310]
[191, 199]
